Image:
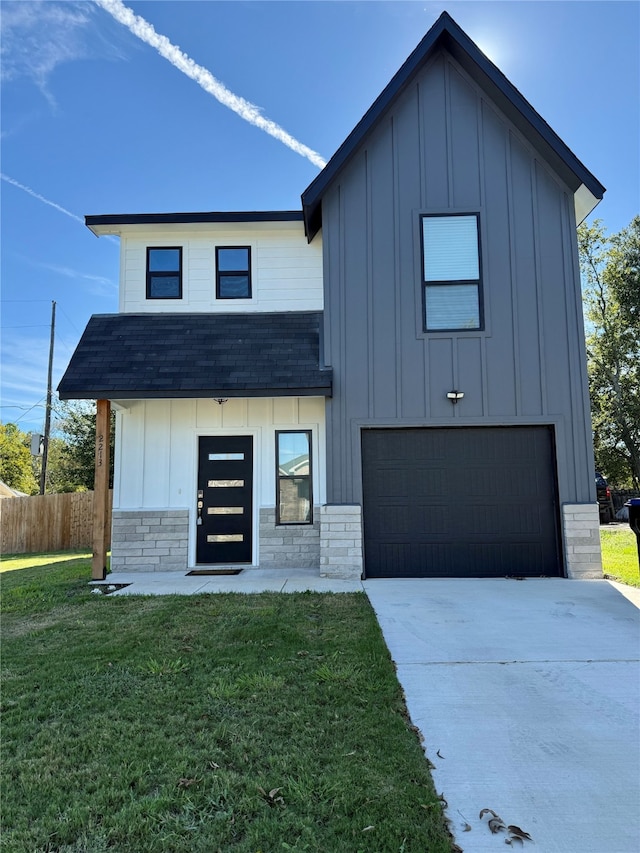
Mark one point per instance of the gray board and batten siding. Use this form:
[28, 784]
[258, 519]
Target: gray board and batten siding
[443, 147]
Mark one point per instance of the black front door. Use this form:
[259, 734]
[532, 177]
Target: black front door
[225, 488]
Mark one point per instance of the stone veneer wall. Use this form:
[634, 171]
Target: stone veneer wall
[150, 540]
[581, 527]
[341, 541]
[295, 546]
[156, 540]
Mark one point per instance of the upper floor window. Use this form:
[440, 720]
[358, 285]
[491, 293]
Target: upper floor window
[294, 501]
[164, 272]
[451, 272]
[233, 272]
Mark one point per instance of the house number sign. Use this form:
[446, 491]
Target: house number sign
[100, 450]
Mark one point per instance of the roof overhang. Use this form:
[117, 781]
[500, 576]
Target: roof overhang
[222, 393]
[119, 223]
[584, 201]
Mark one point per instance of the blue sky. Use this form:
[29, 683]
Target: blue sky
[94, 120]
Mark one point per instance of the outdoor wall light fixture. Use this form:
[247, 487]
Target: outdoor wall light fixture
[220, 400]
[454, 396]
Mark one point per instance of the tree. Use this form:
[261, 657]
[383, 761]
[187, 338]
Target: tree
[610, 267]
[73, 465]
[62, 472]
[15, 460]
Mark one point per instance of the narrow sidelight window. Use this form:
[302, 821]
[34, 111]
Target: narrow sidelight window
[451, 272]
[233, 272]
[294, 499]
[164, 272]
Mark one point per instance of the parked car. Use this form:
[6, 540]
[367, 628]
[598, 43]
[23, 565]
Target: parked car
[605, 501]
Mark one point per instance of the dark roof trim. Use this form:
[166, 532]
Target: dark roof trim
[445, 33]
[213, 393]
[115, 219]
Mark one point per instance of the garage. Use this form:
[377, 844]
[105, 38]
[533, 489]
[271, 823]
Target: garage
[460, 502]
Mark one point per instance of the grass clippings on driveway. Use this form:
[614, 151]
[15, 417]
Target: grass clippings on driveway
[203, 723]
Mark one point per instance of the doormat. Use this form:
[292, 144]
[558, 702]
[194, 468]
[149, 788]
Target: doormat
[214, 572]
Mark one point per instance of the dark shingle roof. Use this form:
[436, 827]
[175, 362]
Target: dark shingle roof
[135, 356]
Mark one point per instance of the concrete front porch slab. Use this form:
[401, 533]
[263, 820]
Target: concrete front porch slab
[248, 582]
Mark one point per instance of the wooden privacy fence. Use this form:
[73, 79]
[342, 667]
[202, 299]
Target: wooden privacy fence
[48, 523]
[621, 496]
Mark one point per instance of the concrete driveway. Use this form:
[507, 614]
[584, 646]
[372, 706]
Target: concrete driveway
[527, 694]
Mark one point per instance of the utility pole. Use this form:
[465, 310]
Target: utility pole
[47, 418]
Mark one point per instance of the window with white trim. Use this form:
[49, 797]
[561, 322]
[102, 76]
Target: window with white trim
[451, 272]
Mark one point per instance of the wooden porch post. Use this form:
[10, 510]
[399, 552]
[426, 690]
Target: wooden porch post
[101, 492]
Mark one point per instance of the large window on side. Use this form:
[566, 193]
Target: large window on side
[233, 272]
[294, 499]
[164, 272]
[451, 272]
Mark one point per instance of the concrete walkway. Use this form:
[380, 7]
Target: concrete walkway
[527, 694]
[248, 581]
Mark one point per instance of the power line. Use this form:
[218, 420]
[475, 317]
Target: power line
[16, 406]
[70, 321]
[35, 405]
[47, 419]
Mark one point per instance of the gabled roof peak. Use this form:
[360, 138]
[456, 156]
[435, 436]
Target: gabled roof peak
[448, 35]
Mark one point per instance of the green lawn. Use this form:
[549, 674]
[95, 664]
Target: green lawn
[10, 562]
[620, 555]
[203, 723]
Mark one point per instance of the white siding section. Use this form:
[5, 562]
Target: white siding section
[156, 463]
[286, 270]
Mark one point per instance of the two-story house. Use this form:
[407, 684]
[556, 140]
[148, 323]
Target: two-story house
[391, 381]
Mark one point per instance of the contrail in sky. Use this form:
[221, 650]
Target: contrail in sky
[52, 204]
[40, 197]
[246, 110]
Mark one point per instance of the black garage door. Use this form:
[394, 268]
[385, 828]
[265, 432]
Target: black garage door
[463, 502]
